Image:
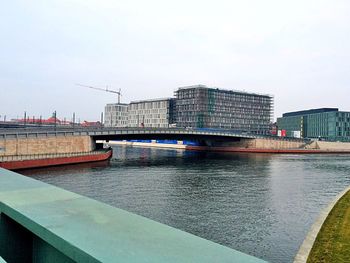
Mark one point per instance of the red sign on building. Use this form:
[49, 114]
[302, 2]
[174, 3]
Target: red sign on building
[283, 133]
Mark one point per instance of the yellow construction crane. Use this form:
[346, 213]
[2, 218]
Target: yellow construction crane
[106, 90]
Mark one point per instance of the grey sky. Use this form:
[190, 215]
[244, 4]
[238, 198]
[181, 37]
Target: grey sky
[298, 50]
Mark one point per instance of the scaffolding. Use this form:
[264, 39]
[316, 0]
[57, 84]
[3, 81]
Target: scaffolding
[203, 107]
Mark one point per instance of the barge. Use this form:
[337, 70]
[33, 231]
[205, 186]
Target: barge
[45, 160]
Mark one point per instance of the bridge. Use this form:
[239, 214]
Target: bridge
[29, 143]
[111, 133]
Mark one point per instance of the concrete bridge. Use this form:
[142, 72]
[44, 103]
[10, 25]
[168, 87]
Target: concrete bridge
[35, 141]
[128, 133]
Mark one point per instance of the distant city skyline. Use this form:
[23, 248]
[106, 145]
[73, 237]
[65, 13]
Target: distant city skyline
[297, 51]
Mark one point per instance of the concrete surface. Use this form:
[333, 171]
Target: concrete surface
[68, 227]
[46, 145]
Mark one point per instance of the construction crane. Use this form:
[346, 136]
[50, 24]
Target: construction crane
[106, 90]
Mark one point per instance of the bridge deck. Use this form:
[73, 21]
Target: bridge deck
[102, 133]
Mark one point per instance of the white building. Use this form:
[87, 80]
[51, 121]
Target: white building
[116, 115]
[144, 113]
[151, 113]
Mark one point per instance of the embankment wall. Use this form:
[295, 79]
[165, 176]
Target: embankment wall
[46, 145]
[328, 146]
[263, 144]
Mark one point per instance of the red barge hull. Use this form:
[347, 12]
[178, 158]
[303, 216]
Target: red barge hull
[26, 164]
[272, 151]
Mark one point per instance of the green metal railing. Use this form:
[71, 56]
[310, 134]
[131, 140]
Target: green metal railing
[43, 223]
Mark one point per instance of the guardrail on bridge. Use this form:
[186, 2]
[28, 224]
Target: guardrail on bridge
[43, 223]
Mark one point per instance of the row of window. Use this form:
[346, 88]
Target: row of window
[218, 121]
[148, 116]
[153, 111]
[148, 121]
[220, 95]
[247, 127]
[182, 115]
[149, 105]
[222, 108]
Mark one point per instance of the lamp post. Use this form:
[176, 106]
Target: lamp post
[55, 117]
[73, 119]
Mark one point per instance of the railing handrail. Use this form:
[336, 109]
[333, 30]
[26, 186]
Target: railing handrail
[101, 131]
[80, 229]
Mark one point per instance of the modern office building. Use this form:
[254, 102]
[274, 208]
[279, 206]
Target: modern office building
[151, 113]
[202, 107]
[323, 123]
[116, 115]
[143, 113]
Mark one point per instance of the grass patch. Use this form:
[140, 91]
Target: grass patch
[333, 241]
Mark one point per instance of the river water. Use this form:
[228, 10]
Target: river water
[260, 204]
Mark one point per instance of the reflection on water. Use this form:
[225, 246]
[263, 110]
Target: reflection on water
[259, 204]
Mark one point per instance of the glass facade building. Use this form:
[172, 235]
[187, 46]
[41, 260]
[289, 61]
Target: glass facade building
[202, 107]
[325, 123]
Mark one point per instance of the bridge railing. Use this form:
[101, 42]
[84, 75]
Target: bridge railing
[46, 223]
[93, 131]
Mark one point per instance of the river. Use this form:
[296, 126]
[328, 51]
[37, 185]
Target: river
[260, 204]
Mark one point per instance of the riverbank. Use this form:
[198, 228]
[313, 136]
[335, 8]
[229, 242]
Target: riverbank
[147, 144]
[267, 150]
[333, 241]
[329, 237]
[269, 146]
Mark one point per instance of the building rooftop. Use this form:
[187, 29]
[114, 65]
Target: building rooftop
[224, 90]
[117, 104]
[311, 111]
[151, 100]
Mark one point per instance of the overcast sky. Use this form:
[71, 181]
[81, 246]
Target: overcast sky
[298, 50]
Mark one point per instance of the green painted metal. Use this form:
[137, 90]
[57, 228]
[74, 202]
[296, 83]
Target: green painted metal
[65, 225]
